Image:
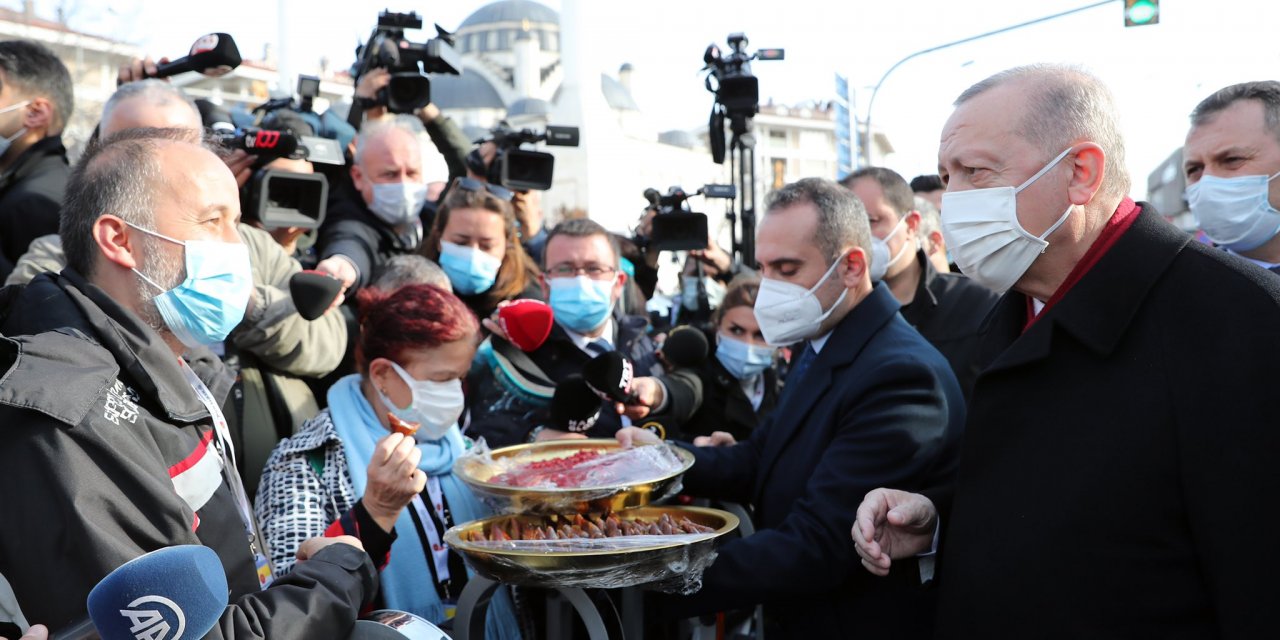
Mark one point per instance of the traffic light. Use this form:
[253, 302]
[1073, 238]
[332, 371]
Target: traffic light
[1140, 13]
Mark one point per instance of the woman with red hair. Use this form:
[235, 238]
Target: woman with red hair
[349, 471]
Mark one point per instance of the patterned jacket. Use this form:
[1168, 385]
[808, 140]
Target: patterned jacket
[306, 491]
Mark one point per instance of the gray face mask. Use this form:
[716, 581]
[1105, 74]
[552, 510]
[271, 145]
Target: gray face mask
[6, 141]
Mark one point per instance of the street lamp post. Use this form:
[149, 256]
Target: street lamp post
[868, 138]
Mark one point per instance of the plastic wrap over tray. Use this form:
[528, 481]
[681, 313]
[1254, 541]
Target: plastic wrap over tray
[613, 479]
[669, 563]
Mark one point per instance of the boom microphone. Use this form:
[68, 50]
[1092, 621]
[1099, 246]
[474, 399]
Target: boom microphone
[213, 55]
[609, 375]
[575, 407]
[686, 347]
[175, 593]
[313, 292]
[527, 323]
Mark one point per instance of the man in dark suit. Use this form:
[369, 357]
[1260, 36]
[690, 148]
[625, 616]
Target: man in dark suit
[946, 308]
[1119, 459]
[870, 401]
[1231, 158]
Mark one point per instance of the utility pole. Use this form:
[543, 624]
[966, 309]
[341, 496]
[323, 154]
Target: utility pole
[868, 139]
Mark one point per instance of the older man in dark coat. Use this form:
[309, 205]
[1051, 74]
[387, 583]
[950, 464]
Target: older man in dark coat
[1119, 459]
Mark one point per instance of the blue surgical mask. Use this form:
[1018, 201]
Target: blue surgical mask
[6, 141]
[1235, 212]
[397, 203]
[580, 303]
[741, 359]
[207, 306]
[470, 270]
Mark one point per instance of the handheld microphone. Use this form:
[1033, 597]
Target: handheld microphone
[575, 407]
[609, 375]
[213, 55]
[267, 144]
[176, 593]
[686, 347]
[527, 323]
[313, 292]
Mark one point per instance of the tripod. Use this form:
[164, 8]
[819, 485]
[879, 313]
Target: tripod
[742, 165]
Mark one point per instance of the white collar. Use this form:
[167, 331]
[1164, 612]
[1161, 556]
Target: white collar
[819, 342]
[1260, 263]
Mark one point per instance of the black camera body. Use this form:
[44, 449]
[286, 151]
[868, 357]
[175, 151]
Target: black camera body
[280, 199]
[522, 169]
[676, 227]
[737, 89]
[408, 62]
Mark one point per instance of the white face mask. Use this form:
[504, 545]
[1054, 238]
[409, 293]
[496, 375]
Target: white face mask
[435, 405]
[984, 236]
[396, 203]
[1235, 212]
[789, 313]
[880, 260]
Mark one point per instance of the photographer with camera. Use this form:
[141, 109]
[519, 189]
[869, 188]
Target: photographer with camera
[474, 239]
[384, 215]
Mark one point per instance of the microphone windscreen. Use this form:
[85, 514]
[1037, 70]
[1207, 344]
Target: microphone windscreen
[609, 375]
[214, 54]
[176, 593]
[527, 323]
[686, 347]
[313, 292]
[574, 406]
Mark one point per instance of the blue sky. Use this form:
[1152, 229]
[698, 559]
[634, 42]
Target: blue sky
[1158, 73]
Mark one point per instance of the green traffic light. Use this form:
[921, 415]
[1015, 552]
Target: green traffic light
[1142, 12]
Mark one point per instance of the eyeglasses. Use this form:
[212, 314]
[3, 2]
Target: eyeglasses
[471, 184]
[593, 271]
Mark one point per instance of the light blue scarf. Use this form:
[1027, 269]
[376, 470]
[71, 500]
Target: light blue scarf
[406, 580]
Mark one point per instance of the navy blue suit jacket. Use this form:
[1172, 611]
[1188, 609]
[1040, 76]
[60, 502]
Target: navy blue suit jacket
[878, 407]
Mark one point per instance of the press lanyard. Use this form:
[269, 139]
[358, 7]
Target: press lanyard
[439, 552]
[257, 545]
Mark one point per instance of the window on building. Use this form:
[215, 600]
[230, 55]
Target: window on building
[504, 39]
[777, 138]
[779, 173]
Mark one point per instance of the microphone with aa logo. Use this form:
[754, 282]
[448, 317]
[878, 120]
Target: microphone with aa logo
[175, 593]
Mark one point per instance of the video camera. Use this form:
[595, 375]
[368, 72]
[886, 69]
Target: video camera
[737, 90]
[521, 169]
[278, 198]
[676, 227]
[408, 62]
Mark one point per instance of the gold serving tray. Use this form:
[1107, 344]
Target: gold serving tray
[476, 473]
[678, 564]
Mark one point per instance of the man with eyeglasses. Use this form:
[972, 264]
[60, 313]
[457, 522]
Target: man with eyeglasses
[582, 282]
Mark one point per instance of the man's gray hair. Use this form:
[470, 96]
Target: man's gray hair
[842, 220]
[1066, 105]
[378, 128]
[120, 175]
[1267, 92]
[156, 92]
[409, 269]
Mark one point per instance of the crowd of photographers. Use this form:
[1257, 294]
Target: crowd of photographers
[217, 319]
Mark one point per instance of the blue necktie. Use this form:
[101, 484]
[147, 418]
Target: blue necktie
[598, 346]
[802, 365]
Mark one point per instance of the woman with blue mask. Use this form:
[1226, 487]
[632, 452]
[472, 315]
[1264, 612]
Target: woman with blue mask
[347, 472]
[739, 380]
[475, 240]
